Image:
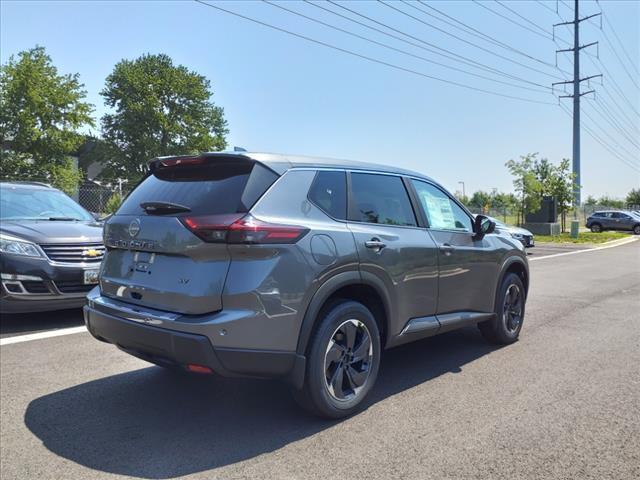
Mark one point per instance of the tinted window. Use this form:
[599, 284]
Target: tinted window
[380, 199]
[211, 188]
[442, 212]
[18, 203]
[329, 192]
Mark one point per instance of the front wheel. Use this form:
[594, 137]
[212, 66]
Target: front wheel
[636, 230]
[505, 327]
[596, 228]
[343, 361]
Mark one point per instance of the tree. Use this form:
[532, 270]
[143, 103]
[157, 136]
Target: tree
[526, 184]
[633, 197]
[159, 109]
[561, 187]
[41, 114]
[481, 201]
[607, 201]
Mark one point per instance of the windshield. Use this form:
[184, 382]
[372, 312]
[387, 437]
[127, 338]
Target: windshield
[34, 204]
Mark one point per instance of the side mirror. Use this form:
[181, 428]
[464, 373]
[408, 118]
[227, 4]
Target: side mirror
[483, 226]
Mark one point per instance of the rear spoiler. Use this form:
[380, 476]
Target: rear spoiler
[174, 161]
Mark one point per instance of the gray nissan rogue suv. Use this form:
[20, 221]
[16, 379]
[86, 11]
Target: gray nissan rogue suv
[262, 265]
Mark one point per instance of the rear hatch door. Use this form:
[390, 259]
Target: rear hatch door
[153, 259]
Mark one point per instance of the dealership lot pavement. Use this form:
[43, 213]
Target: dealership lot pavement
[563, 402]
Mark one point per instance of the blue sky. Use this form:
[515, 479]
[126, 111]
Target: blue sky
[283, 94]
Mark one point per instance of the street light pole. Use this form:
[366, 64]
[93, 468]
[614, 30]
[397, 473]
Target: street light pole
[463, 191]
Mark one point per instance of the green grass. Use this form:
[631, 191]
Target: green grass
[583, 237]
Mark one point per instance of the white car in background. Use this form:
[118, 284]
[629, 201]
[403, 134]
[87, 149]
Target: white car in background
[522, 234]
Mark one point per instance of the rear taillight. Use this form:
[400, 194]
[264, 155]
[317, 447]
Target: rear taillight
[238, 229]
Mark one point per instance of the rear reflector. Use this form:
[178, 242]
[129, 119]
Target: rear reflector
[192, 367]
[238, 229]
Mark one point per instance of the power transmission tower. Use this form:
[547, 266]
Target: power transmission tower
[576, 91]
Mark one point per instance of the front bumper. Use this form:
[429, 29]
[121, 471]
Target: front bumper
[37, 285]
[137, 335]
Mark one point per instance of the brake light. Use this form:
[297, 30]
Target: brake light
[174, 162]
[238, 229]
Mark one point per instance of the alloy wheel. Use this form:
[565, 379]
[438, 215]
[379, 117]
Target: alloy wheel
[512, 308]
[348, 359]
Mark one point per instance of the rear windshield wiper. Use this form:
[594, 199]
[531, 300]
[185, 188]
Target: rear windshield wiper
[158, 208]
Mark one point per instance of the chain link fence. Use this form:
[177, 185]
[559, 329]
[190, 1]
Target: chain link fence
[99, 197]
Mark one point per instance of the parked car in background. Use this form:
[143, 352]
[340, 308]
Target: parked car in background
[50, 249]
[521, 234]
[300, 268]
[613, 220]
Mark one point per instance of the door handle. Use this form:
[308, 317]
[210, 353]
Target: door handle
[446, 249]
[375, 244]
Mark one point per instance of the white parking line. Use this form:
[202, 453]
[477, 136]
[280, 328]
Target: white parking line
[37, 336]
[617, 243]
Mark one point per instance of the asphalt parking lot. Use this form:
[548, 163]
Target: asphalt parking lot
[563, 402]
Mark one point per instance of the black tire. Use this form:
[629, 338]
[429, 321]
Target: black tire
[331, 360]
[505, 327]
[636, 230]
[596, 228]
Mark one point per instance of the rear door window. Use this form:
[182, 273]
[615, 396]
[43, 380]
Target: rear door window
[329, 193]
[380, 199]
[210, 188]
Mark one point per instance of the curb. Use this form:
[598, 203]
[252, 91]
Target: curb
[603, 246]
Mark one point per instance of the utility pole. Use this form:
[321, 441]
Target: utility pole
[576, 93]
[464, 194]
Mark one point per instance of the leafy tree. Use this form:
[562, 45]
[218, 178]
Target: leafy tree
[41, 114]
[526, 184]
[481, 201]
[591, 201]
[561, 186]
[463, 198]
[113, 203]
[158, 109]
[633, 197]
[607, 201]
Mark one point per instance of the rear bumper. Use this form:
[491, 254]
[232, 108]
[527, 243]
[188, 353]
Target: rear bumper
[175, 348]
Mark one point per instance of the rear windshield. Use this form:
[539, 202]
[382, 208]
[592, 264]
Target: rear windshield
[215, 187]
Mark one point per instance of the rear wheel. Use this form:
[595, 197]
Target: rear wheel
[505, 327]
[596, 228]
[343, 361]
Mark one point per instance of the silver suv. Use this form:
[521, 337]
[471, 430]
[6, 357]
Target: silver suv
[298, 268]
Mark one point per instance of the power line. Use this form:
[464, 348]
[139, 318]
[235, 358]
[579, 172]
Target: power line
[465, 41]
[613, 30]
[602, 142]
[509, 19]
[449, 54]
[614, 123]
[390, 47]
[475, 32]
[365, 57]
[609, 136]
[622, 63]
[524, 18]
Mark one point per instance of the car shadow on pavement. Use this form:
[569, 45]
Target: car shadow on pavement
[152, 423]
[23, 323]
